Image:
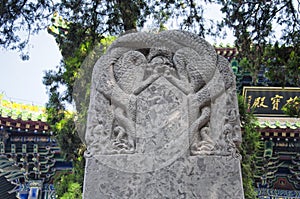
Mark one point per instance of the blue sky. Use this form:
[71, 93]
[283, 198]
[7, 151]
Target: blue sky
[21, 81]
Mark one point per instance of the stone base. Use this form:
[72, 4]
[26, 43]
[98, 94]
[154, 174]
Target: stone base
[199, 177]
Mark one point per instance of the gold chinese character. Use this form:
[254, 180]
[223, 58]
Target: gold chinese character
[291, 100]
[249, 101]
[259, 102]
[275, 101]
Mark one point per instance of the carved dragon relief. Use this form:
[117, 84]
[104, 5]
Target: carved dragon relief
[192, 67]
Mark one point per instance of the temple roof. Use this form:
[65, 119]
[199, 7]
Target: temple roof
[5, 187]
[22, 117]
[16, 110]
[278, 122]
[9, 123]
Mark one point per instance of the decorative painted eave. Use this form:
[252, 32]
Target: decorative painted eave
[228, 52]
[284, 128]
[7, 189]
[11, 172]
[277, 193]
[278, 123]
[16, 110]
[23, 115]
[19, 125]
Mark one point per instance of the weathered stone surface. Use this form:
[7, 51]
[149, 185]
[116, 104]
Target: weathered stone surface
[162, 105]
[199, 177]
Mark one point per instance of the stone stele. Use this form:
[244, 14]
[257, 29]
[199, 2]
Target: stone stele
[163, 121]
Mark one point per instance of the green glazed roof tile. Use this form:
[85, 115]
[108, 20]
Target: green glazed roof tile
[278, 124]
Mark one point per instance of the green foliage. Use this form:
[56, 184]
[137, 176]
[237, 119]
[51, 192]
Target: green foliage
[69, 185]
[283, 64]
[74, 74]
[253, 24]
[91, 19]
[73, 191]
[248, 148]
[252, 64]
[88, 22]
[67, 137]
[113, 17]
[292, 108]
[63, 121]
[22, 17]
[81, 87]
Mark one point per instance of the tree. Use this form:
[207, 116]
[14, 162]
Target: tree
[19, 17]
[94, 18]
[62, 121]
[69, 185]
[248, 148]
[254, 24]
[90, 21]
[292, 108]
[283, 64]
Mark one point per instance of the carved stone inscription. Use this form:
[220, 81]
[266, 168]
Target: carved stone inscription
[158, 94]
[163, 110]
[161, 116]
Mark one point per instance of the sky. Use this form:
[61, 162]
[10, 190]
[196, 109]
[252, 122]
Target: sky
[21, 81]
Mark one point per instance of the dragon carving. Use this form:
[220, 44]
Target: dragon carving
[133, 63]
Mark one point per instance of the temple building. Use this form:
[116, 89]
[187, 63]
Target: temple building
[30, 157]
[29, 154]
[278, 160]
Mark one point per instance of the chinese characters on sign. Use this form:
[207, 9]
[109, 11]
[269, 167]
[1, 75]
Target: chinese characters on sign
[275, 101]
[258, 102]
[269, 100]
